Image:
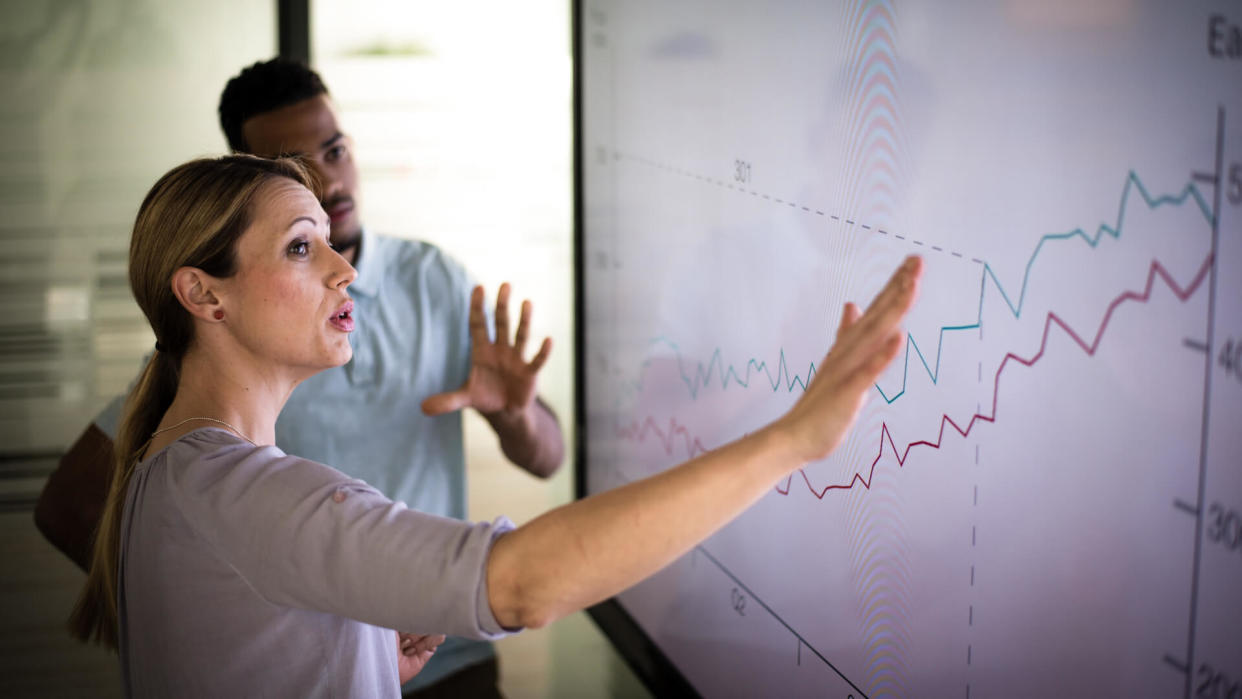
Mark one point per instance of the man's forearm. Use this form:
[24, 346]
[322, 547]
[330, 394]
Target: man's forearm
[72, 501]
[531, 439]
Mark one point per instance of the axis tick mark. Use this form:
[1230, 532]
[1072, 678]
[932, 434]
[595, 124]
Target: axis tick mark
[1176, 664]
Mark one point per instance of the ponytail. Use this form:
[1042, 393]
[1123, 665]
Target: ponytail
[94, 617]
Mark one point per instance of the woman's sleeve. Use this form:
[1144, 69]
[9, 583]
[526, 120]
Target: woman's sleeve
[304, 535]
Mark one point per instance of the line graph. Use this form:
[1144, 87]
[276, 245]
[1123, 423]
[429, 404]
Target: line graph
[1071, 432]
[702, 373]
[639, 431]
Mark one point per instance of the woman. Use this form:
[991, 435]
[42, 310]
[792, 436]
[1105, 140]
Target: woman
[223, 566]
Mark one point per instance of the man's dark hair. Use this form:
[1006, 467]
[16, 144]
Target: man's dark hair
[261, 88]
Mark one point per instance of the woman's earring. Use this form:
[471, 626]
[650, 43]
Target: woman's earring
[218, 315]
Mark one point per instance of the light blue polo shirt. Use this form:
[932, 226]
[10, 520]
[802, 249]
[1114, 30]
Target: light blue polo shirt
[411, 340]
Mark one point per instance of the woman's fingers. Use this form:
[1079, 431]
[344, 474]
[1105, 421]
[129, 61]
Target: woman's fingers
[856, 343]
[431, 641]
[849, 316]
[895, 299]
[413, 644]
[864, 377]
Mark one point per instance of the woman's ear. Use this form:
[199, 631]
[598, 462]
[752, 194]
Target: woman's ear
[196, 290]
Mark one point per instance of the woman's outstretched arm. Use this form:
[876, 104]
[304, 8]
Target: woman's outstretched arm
[589, 550]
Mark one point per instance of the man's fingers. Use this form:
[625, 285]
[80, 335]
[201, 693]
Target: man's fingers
[442, 403]
[502, 315]
[523, 329]
[478, 319]
[542, 356]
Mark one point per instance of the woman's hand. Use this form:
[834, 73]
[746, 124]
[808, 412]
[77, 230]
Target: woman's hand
[866, 344]
[413, 652]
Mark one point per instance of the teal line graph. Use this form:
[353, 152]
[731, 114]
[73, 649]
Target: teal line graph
[783, 378]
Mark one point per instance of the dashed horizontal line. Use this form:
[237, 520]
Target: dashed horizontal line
[618, 155]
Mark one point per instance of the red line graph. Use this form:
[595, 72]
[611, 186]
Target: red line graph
[639, 431]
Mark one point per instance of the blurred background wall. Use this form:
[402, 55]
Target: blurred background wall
[461, 115]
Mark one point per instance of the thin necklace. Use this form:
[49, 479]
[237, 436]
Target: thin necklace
[208, 419]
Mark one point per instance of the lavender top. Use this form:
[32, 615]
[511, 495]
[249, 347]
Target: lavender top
[248, 572]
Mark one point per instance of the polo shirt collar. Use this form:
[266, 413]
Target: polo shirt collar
[369, 265]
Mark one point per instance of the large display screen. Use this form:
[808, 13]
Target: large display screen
[1043, 495]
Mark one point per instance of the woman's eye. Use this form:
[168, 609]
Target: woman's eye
[299, 248]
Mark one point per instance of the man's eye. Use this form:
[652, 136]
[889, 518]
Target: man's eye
[299, 248]
[334, 153]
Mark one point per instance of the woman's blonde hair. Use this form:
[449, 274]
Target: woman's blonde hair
[192, 217]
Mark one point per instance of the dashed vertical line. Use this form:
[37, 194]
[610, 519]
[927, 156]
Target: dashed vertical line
[974, 542]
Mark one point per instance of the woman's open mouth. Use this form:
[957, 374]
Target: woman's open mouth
[343, 319]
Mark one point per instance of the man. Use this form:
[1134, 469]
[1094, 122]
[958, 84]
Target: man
[391, 415]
